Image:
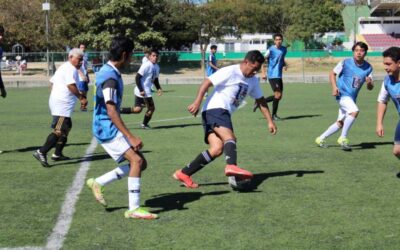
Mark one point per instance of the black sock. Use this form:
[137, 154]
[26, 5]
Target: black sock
[275, 104]
[270, 98]
[198, 163]
[60, 145]
[126, 110]
[146, 119]
[230, 152]
[50, 143]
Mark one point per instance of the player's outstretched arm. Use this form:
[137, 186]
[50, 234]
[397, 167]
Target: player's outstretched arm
[195, 106]
[112, 112]
[265, 111]
[380, 114]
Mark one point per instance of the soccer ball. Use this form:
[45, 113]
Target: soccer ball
[239, 183]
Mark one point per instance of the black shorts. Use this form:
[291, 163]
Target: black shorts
[276, 84]
[215, 118]
[61, 123]
[144, 102]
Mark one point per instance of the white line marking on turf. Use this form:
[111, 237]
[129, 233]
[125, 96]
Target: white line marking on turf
[60, 230]
[22, 248]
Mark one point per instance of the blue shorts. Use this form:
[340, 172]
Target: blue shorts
[215, 118]
[397, 134]
[83, 86]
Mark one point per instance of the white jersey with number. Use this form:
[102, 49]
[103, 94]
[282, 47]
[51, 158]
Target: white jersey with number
[149, 72]
[62, 101]
[230, 89]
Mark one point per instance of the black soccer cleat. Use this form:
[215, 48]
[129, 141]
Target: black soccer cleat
[60, 157]
[41, 158]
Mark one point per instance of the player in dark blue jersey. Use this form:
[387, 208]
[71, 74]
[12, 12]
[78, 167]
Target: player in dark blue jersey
[390, 89]
[352, 74]
[212, 61]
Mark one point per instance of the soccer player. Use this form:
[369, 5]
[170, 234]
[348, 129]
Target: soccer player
[212, 61]
[113, 135]
[3, 91]
[390, 89]
[275, 58]
[63, 96]
[352, 72]
[231, 86]
[145, 78]
[83, 84]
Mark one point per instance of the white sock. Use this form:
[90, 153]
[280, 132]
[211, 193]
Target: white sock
[348, 122]
[115, 174]
[330, 131]
[134, 192]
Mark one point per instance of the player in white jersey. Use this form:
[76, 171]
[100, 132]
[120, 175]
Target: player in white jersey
[390, 90]
[63, 96]
[231, 85]
[83, 84]
[147, 76]
[352, 72]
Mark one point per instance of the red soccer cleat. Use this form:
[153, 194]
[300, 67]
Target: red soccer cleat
[185, 179]
[233, 170]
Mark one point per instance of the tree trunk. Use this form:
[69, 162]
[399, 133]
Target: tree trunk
[203, 47]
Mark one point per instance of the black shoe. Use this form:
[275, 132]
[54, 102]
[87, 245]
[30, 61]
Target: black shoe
[41, 158]
[276, 118]
[255, 107]
[60, 158]
[143, 126]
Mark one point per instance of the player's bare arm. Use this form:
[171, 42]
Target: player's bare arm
[380, 114]
[370, 84]
[265, 111]
[74, 90]
[332, 80]
[195, 106]
[112, 112]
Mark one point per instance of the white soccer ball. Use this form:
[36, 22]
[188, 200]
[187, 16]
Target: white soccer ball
[240, 184]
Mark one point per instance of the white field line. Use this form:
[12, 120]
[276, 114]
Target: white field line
[60, 230]
[22, 248]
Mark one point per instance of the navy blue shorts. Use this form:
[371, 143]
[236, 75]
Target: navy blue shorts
[83, 86]
[397, 134]
[215, 118]
[276, 84]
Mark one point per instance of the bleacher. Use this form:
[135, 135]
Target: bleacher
[379, 42]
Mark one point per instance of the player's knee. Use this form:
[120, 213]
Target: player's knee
[150, 112]
[396, 152]
[137, 109]
[57, 132]
[340, 124]
[215, 151]
[354, 114]
[278, 96]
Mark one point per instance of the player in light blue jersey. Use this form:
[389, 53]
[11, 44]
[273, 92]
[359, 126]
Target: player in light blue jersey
[113, 135]
[3, 92]
[275, 59]
[390, 89]
[212, 61]
[352, 72]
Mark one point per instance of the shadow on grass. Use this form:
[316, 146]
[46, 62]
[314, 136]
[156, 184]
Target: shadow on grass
[295, 117]
[177, 126]
[177, 201]
[33, 148]
[260, 178]
[370, 145]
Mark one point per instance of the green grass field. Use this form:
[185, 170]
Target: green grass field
[306, 197]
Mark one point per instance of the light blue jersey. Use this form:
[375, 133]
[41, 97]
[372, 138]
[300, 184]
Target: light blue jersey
[103, 128]
[393, 90]
[351, 77]
[213, 60]
[276, 61]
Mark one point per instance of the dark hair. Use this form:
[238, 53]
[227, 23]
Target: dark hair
[254, 56]
[119, 45]
[361, 45]
[1, 29]
[277, 34]
[213, 46]
[154, 51]
[81, 43]
[392, 52]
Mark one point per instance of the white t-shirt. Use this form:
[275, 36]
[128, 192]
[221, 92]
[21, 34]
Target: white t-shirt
[145, 60]
[231, 88]
[62, 101]
[149, 72]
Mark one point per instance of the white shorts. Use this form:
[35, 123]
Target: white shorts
[346, 106]
[117, 147]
